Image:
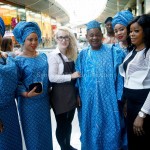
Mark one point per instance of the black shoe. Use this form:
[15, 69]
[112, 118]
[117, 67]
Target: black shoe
[72, 148]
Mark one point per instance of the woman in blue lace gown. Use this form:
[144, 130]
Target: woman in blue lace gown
[33, 105]
[120, 22]
[10, 135]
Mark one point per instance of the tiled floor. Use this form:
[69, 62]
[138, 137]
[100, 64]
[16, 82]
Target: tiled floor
[75, 142]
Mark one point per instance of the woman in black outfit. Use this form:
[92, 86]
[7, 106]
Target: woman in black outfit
[136, 72]
[62, 75]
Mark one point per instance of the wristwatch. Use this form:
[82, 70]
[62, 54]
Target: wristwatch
[142, 114]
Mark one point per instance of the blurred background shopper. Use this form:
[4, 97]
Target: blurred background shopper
[109, 38]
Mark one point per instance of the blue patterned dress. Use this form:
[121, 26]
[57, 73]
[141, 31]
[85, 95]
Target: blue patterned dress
[100, 87]
[123, 49]
[10, 138]
[35, 111]
[122, 118]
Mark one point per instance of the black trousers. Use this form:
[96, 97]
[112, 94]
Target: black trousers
[135, 100]
[64, 128]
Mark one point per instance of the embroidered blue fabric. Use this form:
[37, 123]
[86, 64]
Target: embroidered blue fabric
[100, 88]
[10, 138]
[35, 111]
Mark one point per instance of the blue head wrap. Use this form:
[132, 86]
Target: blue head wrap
[2, 27]
[93, 24]
[24, 29]
[123, 17]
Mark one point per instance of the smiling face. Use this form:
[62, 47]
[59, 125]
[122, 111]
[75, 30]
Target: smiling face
[120, 32]
[63, 40]
[31, 42]
[136, 35]
[94, 37]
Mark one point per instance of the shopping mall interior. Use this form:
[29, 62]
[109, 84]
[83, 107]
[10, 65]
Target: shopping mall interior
[50, 14]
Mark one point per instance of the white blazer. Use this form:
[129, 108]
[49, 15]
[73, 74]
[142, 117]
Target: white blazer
[137, 75]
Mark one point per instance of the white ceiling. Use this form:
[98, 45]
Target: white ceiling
[112, 8]
[56, 11]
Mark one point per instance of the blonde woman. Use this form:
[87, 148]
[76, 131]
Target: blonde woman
[62, 75]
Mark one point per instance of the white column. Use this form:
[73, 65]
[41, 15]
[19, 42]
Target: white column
[147, 6]
[118, 6]
[138, 7]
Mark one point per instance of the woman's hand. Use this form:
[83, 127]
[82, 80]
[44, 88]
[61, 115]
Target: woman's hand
[138, 126]
[31, 93]
[75, 75]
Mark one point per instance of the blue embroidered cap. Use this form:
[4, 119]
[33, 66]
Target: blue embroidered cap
[24, 29]
[93, 24]
[2, 27]
[123, 17]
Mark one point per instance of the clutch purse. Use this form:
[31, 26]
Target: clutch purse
[38, 85]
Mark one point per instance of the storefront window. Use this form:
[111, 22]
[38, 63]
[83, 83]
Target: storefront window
[34, 16]
[21, 14]
[46, 31]
[11, 17]
[14, 14]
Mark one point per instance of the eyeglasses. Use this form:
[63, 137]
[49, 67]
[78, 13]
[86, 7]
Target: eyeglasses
[61, 38]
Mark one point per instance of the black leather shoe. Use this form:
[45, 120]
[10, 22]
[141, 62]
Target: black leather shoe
[72, 148]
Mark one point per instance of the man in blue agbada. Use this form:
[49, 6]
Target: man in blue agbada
[100, 89]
